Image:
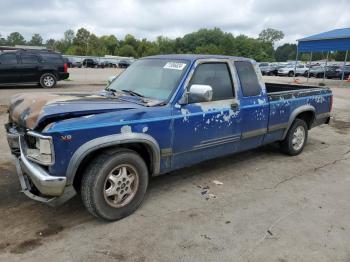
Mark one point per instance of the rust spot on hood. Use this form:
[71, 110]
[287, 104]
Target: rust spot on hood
[25, 109]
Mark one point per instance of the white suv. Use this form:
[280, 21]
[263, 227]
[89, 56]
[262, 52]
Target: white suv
[289, 70]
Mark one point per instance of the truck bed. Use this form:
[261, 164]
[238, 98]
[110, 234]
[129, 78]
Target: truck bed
[277, 88]
[277, 91]
[285, 100]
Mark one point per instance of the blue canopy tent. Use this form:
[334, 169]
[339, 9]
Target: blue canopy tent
[334, 40]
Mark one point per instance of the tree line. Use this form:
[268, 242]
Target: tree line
[203, 41]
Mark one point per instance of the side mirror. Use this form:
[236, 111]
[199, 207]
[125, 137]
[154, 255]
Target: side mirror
[200, 93]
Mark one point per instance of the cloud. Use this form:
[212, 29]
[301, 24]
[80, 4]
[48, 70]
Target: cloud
[150, 18]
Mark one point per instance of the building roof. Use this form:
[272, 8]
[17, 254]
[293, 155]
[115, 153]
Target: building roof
[333, 34]
[334, 40]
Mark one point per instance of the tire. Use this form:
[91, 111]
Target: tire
[96, 183]
[291, 145]
[306, 74]
[291, 73]
[48, 80]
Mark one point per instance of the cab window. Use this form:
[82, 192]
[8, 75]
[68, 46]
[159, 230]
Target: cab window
[218, 76]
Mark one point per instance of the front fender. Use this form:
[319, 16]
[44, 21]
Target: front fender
[112, 140]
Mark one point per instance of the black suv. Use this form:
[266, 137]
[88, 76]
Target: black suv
[29, 66]
[88, 62]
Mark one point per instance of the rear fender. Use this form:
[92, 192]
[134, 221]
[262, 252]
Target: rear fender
[295, 113]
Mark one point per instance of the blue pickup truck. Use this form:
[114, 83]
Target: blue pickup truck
[162, 113]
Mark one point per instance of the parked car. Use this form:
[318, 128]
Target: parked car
[289, 70]
[89, 63]
[24, 66]
[124, 64]
[339, 72]
[271, 69]
[72, 63]
[319, 72]
[163, 113]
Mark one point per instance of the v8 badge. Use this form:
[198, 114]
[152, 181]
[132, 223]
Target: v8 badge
[66, 138]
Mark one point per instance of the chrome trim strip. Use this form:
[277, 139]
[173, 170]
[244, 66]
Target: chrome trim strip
[276, 127]
[112, 140]
[256, 132]
[206, 145]
[46, 184]
[221, 138]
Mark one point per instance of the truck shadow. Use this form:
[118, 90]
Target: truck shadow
[34, 222]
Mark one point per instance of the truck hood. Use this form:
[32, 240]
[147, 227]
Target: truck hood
[39, 109]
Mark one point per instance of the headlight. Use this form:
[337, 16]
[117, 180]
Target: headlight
[40, 148]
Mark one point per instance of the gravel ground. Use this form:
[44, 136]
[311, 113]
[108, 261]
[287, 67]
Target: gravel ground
[271, 207]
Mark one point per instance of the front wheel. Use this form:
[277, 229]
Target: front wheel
[114, 184]
[48, 80]
[296, 138]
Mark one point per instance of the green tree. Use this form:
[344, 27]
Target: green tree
[69, 36]
[95, 48]
[51, 44]
[271, 35]
[130, 40]
[146, 48]
[286, 52]
[15, 38]
[2, 40]
[110, 43]
[210, 49]
[81, 41]
[36, 40]
[127, 50]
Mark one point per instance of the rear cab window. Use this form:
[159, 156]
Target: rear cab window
[248, 78]
[217, 75]
[8, 59]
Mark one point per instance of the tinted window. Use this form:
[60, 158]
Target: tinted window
[216, 75]
[29, 59]
[249, 80]
[8, 59]
[51, 58]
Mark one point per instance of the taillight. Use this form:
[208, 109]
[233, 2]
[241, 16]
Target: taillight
[331, 106]
[65, 68]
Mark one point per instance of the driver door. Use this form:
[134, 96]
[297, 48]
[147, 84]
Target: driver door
[205, 130]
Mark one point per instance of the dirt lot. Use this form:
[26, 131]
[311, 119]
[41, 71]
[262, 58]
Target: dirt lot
[271, 207]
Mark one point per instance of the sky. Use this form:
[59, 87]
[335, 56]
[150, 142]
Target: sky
[151, 18]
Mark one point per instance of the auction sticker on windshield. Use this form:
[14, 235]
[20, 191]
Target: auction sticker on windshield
[174, 65]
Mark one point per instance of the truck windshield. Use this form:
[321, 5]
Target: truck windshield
[152, 78]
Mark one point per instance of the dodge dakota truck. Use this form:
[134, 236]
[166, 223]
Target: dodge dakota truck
[162, 113]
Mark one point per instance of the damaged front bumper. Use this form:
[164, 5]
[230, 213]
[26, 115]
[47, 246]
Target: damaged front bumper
[35, 181]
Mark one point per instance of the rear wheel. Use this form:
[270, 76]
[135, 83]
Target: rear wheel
[291, 73]
[296, 138]
[114, 184]
[48, 80]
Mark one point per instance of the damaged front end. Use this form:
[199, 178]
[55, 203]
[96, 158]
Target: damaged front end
[33, 153]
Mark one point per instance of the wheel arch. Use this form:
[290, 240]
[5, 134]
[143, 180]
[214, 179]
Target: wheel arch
[143, 144]
[305, 112]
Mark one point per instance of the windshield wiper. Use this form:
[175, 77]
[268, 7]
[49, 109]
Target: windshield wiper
[133, 93]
